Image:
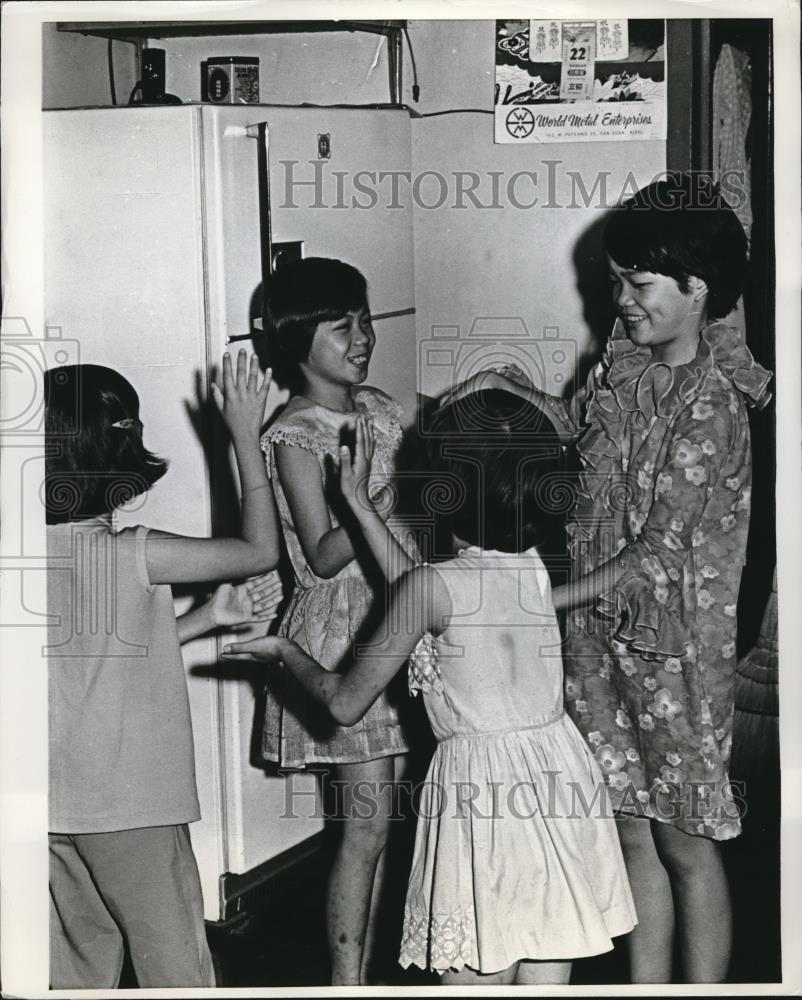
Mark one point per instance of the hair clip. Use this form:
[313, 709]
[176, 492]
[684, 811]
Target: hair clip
[127, 424]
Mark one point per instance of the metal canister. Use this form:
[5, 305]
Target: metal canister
[230, 80]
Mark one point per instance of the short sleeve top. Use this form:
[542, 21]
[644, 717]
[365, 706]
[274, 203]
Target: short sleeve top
[121, 750]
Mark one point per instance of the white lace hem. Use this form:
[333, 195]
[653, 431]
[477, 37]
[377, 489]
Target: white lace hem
[437, 941]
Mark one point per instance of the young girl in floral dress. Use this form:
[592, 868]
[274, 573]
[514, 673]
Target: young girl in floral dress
[657, 542]
[319, 316]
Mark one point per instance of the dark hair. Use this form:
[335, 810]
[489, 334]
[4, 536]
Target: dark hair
[303, 293]
[91, 465]
[683, 228]
[497, 472]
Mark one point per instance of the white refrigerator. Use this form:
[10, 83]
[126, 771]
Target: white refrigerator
[160, 224]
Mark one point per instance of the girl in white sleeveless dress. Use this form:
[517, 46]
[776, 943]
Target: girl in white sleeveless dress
[517, 866]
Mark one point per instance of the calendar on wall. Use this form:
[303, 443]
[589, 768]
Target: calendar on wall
[580, 81]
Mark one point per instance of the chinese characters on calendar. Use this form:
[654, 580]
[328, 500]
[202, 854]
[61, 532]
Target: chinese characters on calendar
[580, 81]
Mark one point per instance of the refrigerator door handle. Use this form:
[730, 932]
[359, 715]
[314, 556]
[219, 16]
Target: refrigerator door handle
[260, 133]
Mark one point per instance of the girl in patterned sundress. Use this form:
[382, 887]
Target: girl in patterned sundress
[517, 867]
[657, 544]
[317, 312]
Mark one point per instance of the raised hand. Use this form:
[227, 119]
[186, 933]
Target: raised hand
[255, 600]
[266, 593]
[242, 399]
[355, 473]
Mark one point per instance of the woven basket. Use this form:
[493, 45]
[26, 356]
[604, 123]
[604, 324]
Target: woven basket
[756, 734]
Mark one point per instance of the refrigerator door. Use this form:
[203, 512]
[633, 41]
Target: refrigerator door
[124, 277]
[133, 275]
[340, 183]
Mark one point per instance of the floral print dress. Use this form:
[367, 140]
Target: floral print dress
[665, 489]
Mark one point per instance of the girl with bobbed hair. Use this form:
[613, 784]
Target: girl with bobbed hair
[657, 541]
[122, 766]
[96, 459]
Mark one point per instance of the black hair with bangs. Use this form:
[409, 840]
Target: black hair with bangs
[94, 456]
[302, 294]
[682, 227]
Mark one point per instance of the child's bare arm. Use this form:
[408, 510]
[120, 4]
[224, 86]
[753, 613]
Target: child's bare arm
[420, 604]
[327, 549]
[179, 559]
[587, 588]
[254, 600]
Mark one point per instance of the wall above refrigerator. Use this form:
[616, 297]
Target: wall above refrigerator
[353, 62]
[321, 67]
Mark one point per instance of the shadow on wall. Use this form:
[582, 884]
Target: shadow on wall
[590, 265]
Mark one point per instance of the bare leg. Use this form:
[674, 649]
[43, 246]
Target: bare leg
[470, 977]
[542, 973]
[651, 943]
[374, 922]
[372, 927]
[701, 902]
[366, 801]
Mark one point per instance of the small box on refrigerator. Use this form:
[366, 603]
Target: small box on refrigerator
[230, 80]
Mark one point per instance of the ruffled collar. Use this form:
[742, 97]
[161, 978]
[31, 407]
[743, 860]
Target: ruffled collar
[654, 388]
[630, 387]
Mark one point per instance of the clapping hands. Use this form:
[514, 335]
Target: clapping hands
[255, 600]
[242, 399]
[355, 475]
[355, 472]
[268, 648]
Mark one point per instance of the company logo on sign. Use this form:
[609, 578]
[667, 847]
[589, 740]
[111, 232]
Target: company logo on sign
[520, 122]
